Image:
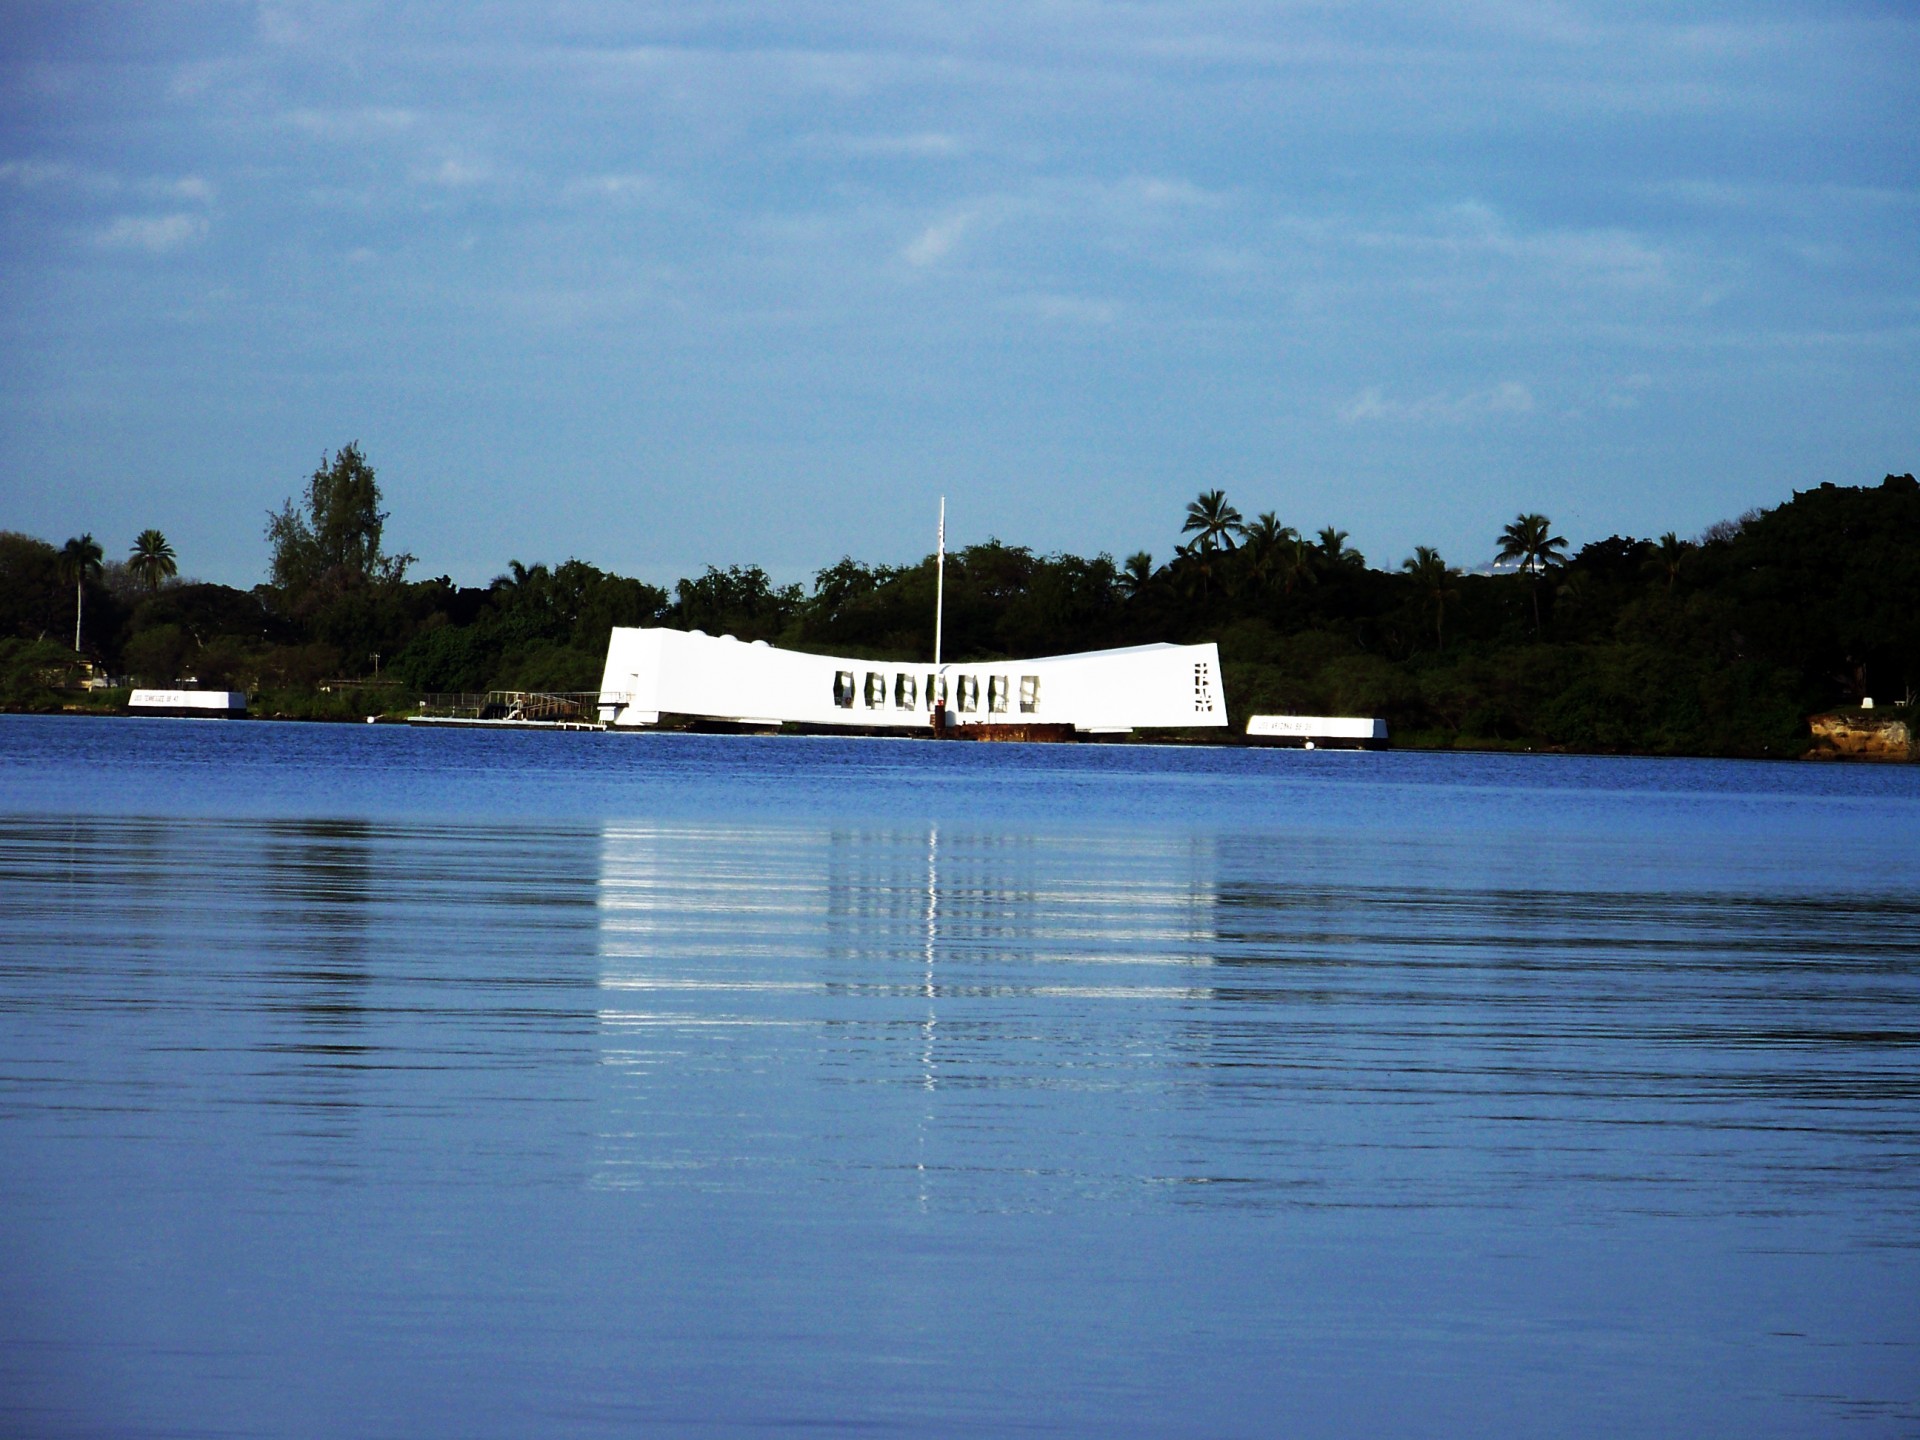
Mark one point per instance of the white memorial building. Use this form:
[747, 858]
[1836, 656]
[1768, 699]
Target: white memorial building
[690, 675]
[651, 673]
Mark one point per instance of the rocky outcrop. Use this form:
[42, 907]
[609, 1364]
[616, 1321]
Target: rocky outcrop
[1861, 735]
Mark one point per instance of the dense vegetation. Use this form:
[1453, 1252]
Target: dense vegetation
[1717, 646]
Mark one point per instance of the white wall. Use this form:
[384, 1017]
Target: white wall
[652, 672]
[217, 701]
[1317, 727]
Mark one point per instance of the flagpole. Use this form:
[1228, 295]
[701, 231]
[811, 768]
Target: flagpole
[935, 701]
[940, 582]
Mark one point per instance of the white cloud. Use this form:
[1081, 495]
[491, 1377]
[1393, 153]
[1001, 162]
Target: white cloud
[157, 234]
[1156, 191]
[455, 174]
[938, 240]
[356, 123]
[98, 184]
[924, 145]
[1507, 398]
[188, 187]
[1626, 393]
[623, 188]
[1470, 231]
[1068, 309]
[194, 79]
[1128, 216]
[31, 174]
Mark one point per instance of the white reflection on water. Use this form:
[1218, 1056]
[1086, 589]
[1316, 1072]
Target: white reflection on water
[850, 966]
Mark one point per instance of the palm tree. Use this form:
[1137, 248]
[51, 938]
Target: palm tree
[1216, 521]
[1575, 593]
[1670, 554]
[1531, 541]
[1266, 537]
[152, 560]
[79, 562]
[1434, 577]
[1137, 573]
[1191, 561]
[1333, 550]
[1296, 562]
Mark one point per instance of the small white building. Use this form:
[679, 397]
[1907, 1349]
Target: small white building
[188, 702]
[652, 673]
[1312, 730]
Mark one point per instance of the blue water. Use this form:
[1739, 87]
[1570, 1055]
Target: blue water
[368, 1081]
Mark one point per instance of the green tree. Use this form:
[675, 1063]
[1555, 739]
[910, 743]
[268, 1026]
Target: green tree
[1576, 594]
[152, 560]
[1266, 540]
[79, 563]
[1334, 551]
[1670, 554]
[1827, 585]
[740, 600]
[32, 671]
[155, 655]
[1435, 578]
[33, 592]
[1137, 573]
[1531, 541]
[1297, 557]
[1212, 521]
[1193, 562]
[332, 545]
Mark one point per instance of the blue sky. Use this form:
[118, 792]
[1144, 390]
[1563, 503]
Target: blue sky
[659, 285]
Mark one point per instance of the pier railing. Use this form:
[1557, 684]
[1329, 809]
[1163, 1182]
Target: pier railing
[531, 706]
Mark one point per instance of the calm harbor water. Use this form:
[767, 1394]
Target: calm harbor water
[365, 1081]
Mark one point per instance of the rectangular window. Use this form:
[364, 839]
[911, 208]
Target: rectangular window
[936, 691]
[997, 694]
[843, 689]
[904, 692]
[876, 689]
[969, 694]
[1029, 694]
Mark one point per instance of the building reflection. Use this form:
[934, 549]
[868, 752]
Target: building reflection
[386, 948]
[315, 887]
[746, 969]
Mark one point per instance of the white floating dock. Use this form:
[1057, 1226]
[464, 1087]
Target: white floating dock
[188, 702]
[1310, 731]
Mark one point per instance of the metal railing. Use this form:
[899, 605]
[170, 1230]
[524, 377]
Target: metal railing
[526, 706]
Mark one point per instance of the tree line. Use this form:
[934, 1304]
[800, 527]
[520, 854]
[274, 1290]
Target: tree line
[1719, 645]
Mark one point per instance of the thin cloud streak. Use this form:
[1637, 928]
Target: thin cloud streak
[156, 234]
[1509, 397]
